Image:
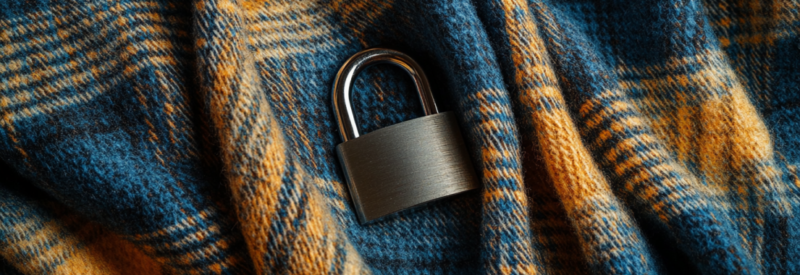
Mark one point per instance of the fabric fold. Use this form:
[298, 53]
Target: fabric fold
[610, 137]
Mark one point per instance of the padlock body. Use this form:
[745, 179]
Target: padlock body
[406, 164]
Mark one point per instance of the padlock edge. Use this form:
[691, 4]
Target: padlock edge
[354, 196]
[365, 221]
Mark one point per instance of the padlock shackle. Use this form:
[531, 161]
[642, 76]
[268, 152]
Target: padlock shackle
[358, 62]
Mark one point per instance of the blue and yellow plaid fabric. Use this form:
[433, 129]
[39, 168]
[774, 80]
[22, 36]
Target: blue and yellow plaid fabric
[197, 137]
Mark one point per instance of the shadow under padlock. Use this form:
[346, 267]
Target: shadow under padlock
[402, 165]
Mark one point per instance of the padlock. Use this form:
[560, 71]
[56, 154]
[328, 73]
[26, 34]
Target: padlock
[402, 165]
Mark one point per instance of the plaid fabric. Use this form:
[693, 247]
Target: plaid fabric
[612, 137]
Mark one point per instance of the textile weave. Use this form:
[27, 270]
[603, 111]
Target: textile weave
[197, 137]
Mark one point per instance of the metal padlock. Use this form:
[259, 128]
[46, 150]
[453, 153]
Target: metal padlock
[402, 165]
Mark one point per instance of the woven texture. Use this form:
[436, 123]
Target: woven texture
[197, 137]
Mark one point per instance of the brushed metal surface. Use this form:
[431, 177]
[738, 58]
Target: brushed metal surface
[406, 164]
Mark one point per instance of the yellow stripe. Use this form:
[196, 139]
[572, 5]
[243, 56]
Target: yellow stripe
[305, 26]
[706, 56]
[103, 254]
[70, 23]
[189, 222]
[81, 76]
[360, 14]
[60, 102]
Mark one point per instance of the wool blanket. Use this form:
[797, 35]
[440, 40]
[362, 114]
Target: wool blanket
[198, 137]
